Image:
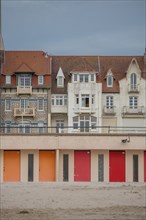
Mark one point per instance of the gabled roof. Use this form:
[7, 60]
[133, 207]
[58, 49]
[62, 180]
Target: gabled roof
[24, 68]
[34, 61]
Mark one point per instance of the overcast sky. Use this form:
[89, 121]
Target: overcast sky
[75, 27]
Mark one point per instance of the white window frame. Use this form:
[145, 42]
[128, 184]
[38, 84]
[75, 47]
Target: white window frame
[92, 78]
[7, 104]
[24, 128]
[109, 102]
[75, 77]
[40, 80]
[8, 80]
[84, 78]
[60, 81]
[85, 100]
[24, 103]
[40, 106]
[133, 102]
[133, 80]
[59, 100]
[59, 126]
[84, 120]
[24, 80]
[110, 80]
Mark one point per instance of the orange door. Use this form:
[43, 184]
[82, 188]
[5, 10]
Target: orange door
[47, 160]
[11, 166]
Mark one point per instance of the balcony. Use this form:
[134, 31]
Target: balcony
[24, 112]
[24, 90]
[130, 112]
[89, 110]
[133, 88]
[109, 110]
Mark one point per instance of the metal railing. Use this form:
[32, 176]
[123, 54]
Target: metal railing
[23, 130]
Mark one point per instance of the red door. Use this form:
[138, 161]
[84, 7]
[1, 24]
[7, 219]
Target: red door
[144, 166]
[117, 166]
[82, 165]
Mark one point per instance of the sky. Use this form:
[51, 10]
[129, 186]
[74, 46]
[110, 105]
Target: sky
[66, 27]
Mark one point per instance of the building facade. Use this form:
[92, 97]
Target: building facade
[73, 118]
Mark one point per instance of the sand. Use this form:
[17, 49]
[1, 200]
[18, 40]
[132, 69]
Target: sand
[73, 201]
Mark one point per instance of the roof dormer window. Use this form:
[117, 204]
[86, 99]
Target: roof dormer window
[133, 80]
[8, 80]
[40, 80]
[109, 79]
[60, 78]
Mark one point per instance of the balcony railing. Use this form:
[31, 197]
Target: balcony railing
[109, 110]
[133, 88]
[140, 110]
[26, 112]
[24, 90]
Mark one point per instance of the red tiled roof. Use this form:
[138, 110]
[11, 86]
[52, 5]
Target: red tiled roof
[100, 64]
[23, 61]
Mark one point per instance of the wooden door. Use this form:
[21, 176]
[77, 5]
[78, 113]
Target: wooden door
[82, 164]
[47, 165]
[117, 166]
[11, 166]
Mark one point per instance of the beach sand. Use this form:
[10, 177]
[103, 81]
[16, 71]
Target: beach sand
[73, 201]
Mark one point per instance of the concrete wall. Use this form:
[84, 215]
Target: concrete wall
[86, 141]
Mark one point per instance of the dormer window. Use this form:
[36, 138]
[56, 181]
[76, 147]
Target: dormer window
[110, 81]
[40, 80]
[133, 80]
[60, 78]
[8, 80]
[75, 77]
[84, 78]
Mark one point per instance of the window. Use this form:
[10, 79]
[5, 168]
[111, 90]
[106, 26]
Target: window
[133, 81]
[41, 127]
[93, 122]
[60, 78]
[40, 80]
[109, 81]
[92, 77]
[59, 100]
[75, 77]
[60, 81]
[109, 102]
[77, 99]
[40, 104]
[24, 80]
[85, 122]
[93, 99]
[24, 128]
[8, 104]
[8, 80]
[75, 122]
[85, 100]
[84, 77]
[8, 127]
[59, 126]
[24, 103]
[133, 102]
